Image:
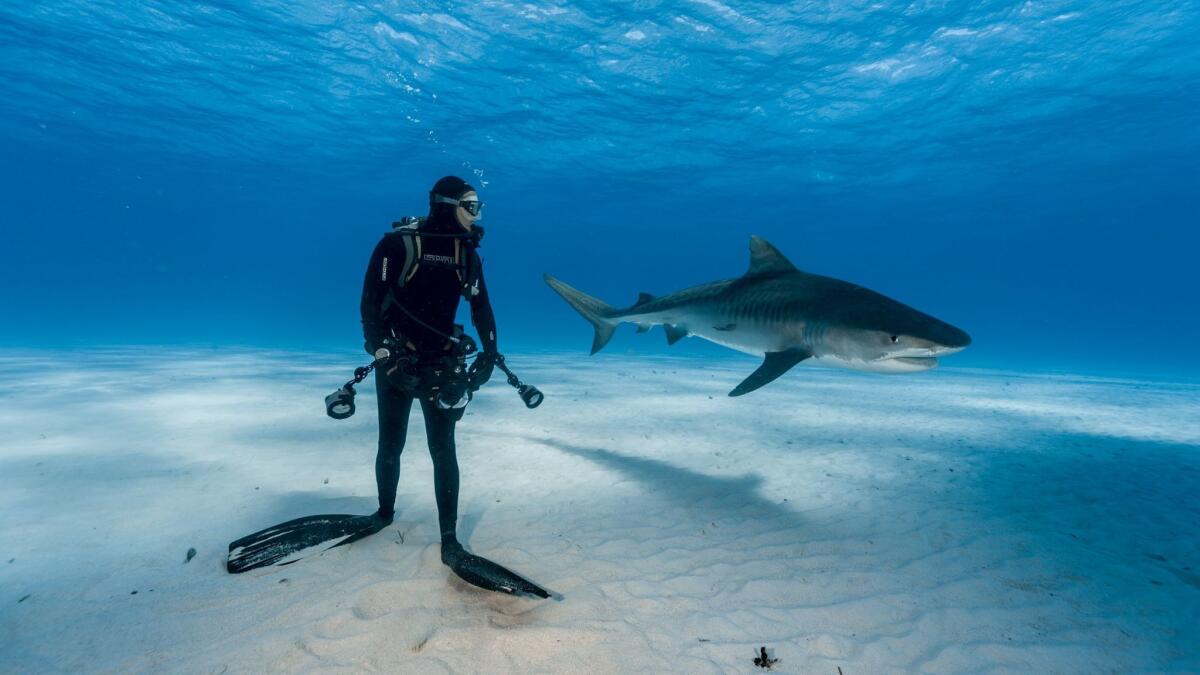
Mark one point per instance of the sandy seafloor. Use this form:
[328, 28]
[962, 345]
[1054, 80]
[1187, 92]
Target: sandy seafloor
[950, 521]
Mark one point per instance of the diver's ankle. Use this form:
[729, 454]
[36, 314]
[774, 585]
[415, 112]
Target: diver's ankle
[452, 551]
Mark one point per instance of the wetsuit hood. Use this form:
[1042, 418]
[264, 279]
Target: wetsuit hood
[441, 215]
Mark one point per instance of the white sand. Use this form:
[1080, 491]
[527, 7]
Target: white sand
[941, 522]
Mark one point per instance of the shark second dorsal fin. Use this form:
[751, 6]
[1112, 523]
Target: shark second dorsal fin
[643, 298]
[766, 259]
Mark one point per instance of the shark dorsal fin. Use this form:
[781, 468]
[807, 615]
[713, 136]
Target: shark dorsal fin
[643, 298]
[766, 259]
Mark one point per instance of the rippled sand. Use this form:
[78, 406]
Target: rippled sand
[944, 522]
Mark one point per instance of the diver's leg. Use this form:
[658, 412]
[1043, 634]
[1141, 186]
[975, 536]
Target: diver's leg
[394, 407]
[473, 569]
[439, 429]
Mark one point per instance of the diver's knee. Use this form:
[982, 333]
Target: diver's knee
[391, 446]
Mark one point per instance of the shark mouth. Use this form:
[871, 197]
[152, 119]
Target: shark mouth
[918, 361]
[904, 364]
[895, 364]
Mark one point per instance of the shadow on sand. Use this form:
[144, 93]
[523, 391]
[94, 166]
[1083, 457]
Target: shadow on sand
[708, 496]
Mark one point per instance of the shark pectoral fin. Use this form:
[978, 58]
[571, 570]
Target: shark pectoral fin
[776, 364]
[675, 332]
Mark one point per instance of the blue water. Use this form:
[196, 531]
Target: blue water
[218, 173]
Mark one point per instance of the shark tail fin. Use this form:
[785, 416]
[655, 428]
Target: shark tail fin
[595, 311]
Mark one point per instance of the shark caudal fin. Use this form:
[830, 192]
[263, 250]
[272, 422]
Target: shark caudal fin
[595, 311]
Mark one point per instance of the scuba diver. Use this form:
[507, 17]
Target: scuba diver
[415, 279]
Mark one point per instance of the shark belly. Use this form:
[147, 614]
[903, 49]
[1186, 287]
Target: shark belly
[747, 335]
[755, 341]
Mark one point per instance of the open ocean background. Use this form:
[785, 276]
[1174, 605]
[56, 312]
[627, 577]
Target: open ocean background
[217, 173]
[189, 193]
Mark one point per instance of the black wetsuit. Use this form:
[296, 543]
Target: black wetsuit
[431, 295]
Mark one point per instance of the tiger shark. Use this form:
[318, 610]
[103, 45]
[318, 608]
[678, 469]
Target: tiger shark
[786, 316]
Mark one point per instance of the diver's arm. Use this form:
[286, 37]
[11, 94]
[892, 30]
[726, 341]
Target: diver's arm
[374, 287]
[485, 325]
[482, 316]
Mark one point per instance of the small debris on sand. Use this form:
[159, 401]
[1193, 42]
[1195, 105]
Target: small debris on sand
[764, 661]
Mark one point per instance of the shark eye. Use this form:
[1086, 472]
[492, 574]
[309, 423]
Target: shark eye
[895, 339]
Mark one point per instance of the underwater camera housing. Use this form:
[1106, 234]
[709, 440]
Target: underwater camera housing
[450, 383]
[451, 387]
[453, 395]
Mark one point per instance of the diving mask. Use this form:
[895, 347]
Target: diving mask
[471, 206]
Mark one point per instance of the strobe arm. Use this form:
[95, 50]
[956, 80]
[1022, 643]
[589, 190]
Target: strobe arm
[530, 394]
[340, 404]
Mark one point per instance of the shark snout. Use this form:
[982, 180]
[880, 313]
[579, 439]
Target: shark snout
[954, 340]
[947, 340]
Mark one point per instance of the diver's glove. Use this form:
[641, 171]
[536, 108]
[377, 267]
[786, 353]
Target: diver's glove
[481, 371]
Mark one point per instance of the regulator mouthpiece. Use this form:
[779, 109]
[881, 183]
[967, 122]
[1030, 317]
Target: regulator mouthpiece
[340, 404]
[531, 395]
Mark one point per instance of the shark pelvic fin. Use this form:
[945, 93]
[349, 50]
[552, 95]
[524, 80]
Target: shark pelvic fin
[595, 311]
[766, 259]
[776, 364]
[644, 327]
[675, 332]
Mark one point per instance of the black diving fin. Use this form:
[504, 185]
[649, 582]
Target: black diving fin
[485, 574]
[288, 542]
